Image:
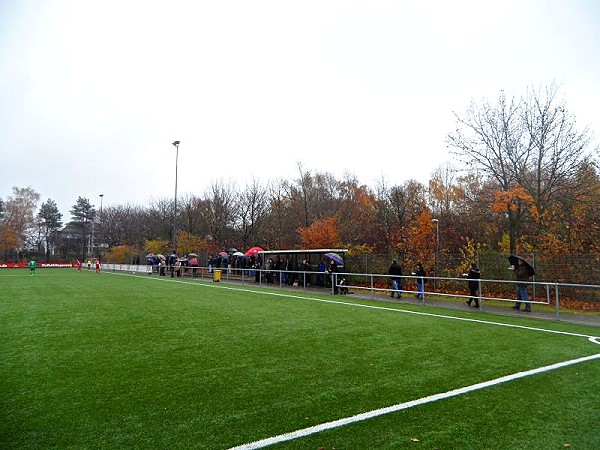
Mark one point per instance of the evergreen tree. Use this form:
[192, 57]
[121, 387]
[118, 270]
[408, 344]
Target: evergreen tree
[82, 214]
[49, 221]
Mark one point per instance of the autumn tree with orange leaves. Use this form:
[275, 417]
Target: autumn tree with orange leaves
[422, 236]
[322, 233]
[188, 243]
[8, 240]
[519, 205]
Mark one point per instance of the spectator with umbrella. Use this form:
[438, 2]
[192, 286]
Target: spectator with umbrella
[171, 260]
[333, 269]
[335, 261]
[523, 271]
[253, 251]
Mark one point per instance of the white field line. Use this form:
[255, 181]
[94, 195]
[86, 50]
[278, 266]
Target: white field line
[401, 406]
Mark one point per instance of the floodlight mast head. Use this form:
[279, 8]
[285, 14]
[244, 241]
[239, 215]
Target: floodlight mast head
[176, 143]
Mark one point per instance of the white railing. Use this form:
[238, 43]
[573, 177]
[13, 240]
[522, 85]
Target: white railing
[377, 285]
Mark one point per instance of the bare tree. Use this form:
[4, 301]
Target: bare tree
[315, 196]
[159, 219]
[191, 215]
[553, 148]
[395, 208]
[532, 144]
[251, 212]
[442, 190]
[112, 226]
[488, 139]
[220, 212]
[281, 224]
[304, 183]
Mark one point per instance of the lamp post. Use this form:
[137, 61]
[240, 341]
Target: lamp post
[91, 240]
[101, 234]
[176, 144]
[437, 249]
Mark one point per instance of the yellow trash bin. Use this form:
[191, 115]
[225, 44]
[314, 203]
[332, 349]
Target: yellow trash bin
[216, 275]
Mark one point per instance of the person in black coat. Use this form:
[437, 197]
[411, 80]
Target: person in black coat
[473, 276]
[421, 280]
[333, 269]
[396, 272]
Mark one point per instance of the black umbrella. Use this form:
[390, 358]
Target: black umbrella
[514, 260]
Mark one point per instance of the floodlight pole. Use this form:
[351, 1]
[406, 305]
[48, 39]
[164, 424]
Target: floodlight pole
[101, 234]
[437, 250]
[176, 144]
[91, 240]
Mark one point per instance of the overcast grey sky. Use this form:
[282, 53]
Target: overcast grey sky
[93, 93]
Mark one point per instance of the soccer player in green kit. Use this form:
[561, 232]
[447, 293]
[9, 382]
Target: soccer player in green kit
[31, 268]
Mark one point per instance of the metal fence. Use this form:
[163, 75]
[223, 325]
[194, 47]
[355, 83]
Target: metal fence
[574, 269]
[554, 296]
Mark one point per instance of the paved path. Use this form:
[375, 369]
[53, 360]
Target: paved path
[455, 303]
[505, 310]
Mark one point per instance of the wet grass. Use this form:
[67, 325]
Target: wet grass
[115, 361]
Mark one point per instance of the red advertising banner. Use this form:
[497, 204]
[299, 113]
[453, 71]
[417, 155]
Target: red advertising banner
[39, 265]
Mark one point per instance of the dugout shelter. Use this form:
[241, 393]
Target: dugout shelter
[313, 256]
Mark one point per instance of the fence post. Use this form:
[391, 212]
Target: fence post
[557, 300]
[534, 284]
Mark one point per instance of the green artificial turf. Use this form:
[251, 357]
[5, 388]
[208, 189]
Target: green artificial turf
[117, 361]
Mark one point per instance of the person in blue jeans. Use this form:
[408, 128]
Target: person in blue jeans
[522, 275]
[396, 272]
[421, 280]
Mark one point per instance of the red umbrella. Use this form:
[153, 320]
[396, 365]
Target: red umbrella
[253, 251]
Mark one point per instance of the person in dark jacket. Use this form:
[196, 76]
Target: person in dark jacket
[522, 275]
[333, 269]
[396, 272]
[473, 276]
[421, 280]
